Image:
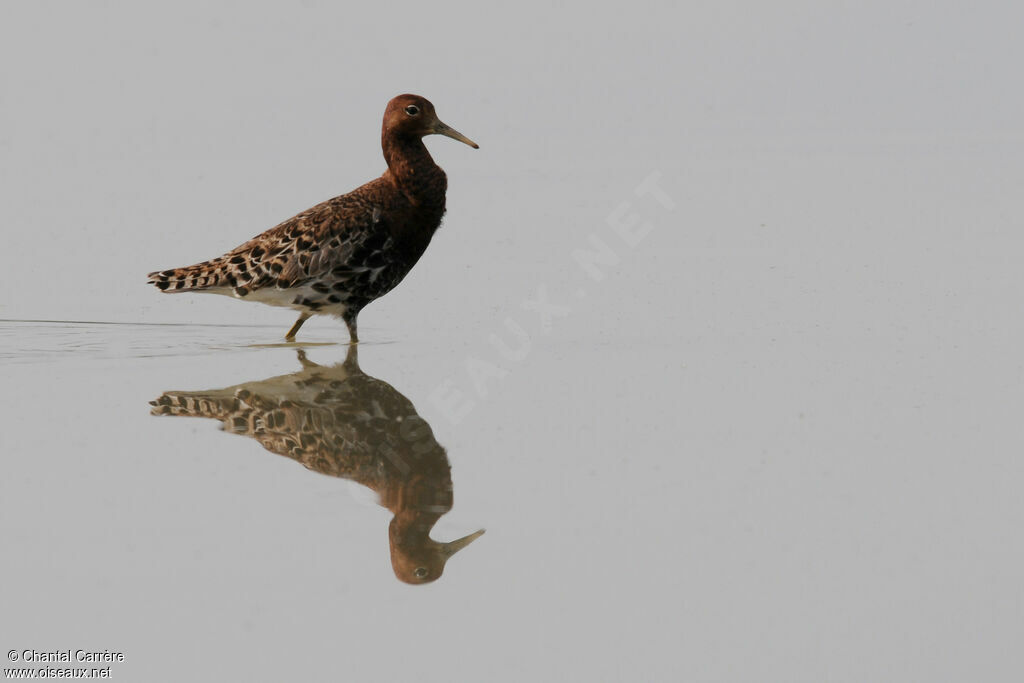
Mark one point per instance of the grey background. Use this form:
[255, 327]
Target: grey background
[778, 441]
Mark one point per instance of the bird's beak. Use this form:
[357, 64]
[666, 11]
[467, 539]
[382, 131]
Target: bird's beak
[449, 549]
[444, 129]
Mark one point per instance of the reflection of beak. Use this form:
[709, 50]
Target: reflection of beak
[449, 549]
[445, 129]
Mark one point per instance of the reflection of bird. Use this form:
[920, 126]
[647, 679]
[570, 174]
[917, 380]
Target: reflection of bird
[338, 256]
[341, 422]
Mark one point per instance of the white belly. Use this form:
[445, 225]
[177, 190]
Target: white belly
[286, 298]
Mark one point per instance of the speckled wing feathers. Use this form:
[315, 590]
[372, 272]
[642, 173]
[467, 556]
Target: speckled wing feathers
[335, 254]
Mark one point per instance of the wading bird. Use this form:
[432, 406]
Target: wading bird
[340, 255]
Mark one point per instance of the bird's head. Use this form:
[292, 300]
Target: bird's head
[417, 558]
[412, 116]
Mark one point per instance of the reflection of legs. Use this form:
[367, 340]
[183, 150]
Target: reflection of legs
[306, 362]
[352, 358]
[295, 328]
[350, 321]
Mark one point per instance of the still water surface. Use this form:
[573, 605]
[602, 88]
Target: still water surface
[638, 502]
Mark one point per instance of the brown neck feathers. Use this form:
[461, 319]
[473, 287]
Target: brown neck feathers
[413, 169]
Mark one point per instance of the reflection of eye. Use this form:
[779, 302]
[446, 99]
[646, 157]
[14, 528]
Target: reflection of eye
[420, 572]
[412, 110]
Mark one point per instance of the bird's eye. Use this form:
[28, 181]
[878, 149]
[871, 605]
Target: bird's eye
[413, 110]
[420, 572]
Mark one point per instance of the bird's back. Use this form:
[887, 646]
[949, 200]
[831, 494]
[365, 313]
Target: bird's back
[341, 253]
[289, 253]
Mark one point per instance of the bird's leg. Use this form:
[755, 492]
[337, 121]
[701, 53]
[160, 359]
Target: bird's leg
[350, 322]
[295, 328]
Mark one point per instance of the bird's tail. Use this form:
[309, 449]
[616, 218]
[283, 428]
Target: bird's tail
[217, 404]
[278, 426]
[205, 275]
